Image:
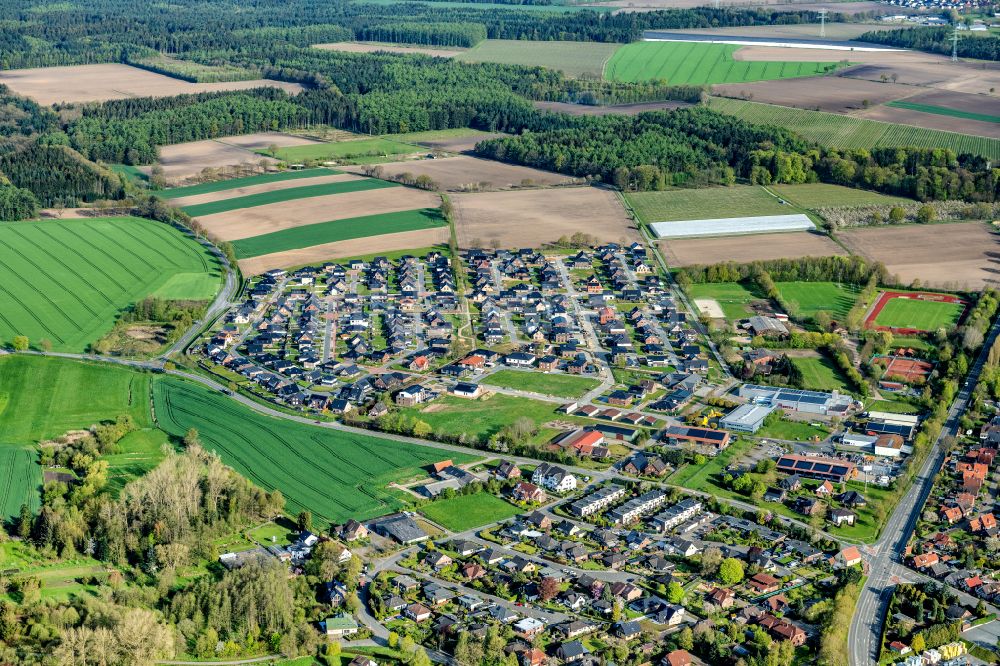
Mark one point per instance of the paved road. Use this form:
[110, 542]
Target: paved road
[866, 625]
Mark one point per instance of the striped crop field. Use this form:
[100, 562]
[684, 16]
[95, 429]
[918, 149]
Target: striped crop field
[334, 474]
[837, 131]
[944, 111]
[296, 238]
[697, 63]
[286, 195]
[20, 481]
[65, 281]
[223, 185]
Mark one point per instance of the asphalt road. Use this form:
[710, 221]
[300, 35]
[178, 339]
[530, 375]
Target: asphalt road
[866, 626]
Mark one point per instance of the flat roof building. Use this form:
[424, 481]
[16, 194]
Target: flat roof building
[797, 400]
[746, 418]
[816, 467]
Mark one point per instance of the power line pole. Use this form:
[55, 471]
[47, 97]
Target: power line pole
[954, 45]
[822, 23]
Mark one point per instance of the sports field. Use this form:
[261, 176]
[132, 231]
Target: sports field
[571, 58]
[43, 398]
[732, 297]
[918, 315]
[821, 195]
[707, 203]
[699, 63]
[839, 131]
[820, 374]
[338, 230]
[373, 147]
[564, 386]
[20, 481]
[65, 281]
[334, 474]
[463, 512]
[281, 196]
[813, 297]
[233, 183]
[944, 111]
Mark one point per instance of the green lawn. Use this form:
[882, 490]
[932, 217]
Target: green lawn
[338, 230]
[821, 195]
[139, 452]
[698, 63]
[714, 202]
[944, 111]
[893, 406]
[340, 150]
[434, 135]
[43, 398]
[699, 477]
[572, 58]
[20, 481]
[291, 194]
[792, 430]
[564, 386]
[282, 532]
[732, 297]
[813, 297]
[335, 474]
[464, 512]
[820, 374]
[66, 281]
[839, 131]
[919, 315]
[222, 185]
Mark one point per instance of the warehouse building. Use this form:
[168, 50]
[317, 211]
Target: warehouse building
[796, 400]
[746, 418]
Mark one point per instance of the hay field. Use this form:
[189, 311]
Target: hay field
[98, 83]
[460, 172]
[377, 47]
[572, 58]
[531, 218]
[949, 256]
[744, 249]
[66, 281]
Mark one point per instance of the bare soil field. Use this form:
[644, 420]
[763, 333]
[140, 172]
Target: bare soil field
[531, 218]
[933, 120]
[787, 54]
[259, 220]
[263, 140]
[928, 70]
[834, 31]
[349, 248]
[209, 197]
[98, 83]
[375, 47]
[743, 249]
[828, 93]
[458, 173]
[181, 161]
[626, 109]
[959, 255]
[987, 104]
[460, 144]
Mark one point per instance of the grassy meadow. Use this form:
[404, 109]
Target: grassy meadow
[708, 203]
[464, 512]
[564, 386]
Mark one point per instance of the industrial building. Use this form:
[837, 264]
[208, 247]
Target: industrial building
[797, 400]
[746, 418]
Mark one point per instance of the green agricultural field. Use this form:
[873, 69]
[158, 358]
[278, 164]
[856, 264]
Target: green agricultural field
[434, 135]
[342, 150]
[138, 453]
[66, 281]
[820, 374]
[944, 111]
[572, 58]
[821, 195]
[564, 386]
[42, 398]
[223, 185]
[291, 194]
[838, 131]
[335, 474]
[20, 481]
[464, 512]
[708, 203]
[699, 63]
[919, 315]
[338, 230]
[732, 297]
[814, 297]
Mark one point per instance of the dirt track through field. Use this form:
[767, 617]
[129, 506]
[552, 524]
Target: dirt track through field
[360, 47]
[259, 220]
[350, 248]
[744, 249]
[958, 255]
[456, 173]
[531, 218]
[98, 83]
[209, 197]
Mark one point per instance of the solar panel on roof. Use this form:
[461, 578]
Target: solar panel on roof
[803, 464]
[821, 467]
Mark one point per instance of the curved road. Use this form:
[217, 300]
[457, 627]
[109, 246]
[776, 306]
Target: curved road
[864, 635]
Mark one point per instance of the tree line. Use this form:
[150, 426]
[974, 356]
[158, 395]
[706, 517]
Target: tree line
[937, 40]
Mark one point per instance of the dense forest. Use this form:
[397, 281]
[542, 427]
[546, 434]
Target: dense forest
[938, 40]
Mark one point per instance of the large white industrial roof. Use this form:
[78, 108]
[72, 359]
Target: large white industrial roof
[730, 226]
